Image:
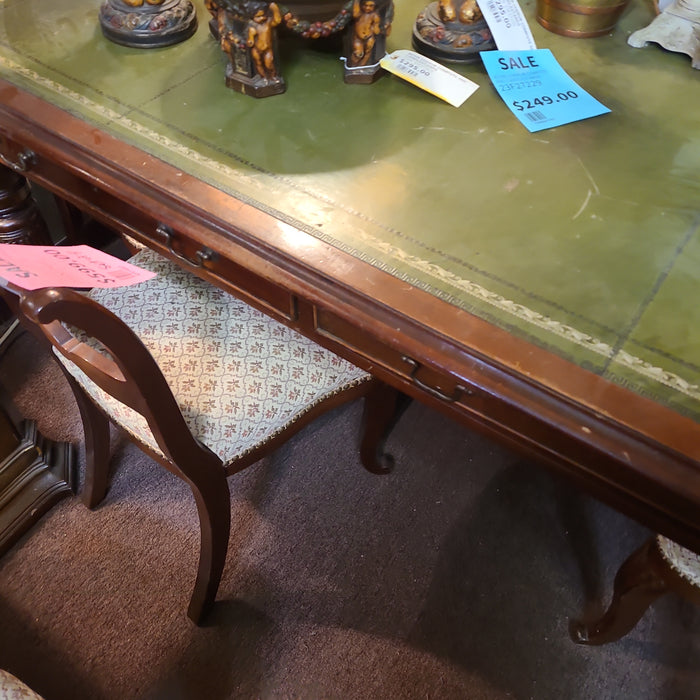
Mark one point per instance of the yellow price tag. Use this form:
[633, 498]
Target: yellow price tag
[429, 76]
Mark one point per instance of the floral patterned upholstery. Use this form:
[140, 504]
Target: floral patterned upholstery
[13, 689]
[238, 376]
[682, 560]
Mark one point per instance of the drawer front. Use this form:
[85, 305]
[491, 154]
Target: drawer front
[142, 225]
[234, 278]
[429, 380]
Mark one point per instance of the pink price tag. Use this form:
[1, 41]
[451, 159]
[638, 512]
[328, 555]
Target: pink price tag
[34, 267]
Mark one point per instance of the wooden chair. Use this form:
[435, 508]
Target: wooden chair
[660, 566]
[202, 382]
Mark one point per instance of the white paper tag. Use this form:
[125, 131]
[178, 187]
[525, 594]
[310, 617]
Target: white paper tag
[429, 76]
[508, 25]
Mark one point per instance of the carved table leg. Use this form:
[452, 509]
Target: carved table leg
[643, 577]
[34, 472]
[383, 407]
[20, 220]
[638, 583]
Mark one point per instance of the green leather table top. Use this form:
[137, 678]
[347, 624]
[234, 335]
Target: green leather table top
[583, 239]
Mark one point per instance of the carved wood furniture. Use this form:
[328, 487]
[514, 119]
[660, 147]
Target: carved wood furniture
[20, 220]
[540, 290]
[660, 566]
[35, 473]
[202, 382]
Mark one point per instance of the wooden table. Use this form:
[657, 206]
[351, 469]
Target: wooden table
[540, 288]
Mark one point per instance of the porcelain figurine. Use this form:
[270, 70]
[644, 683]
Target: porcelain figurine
[676, 28]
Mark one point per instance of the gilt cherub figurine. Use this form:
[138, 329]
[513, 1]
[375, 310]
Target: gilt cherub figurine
[247, 31]
[367, 24]
[247, 34]
[371, 25]
[260, 38]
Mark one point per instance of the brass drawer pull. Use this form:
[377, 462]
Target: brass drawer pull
[201, 256]
[25, 160]
[459, 390]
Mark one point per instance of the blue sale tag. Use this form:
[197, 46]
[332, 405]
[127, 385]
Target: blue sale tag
[538, 90]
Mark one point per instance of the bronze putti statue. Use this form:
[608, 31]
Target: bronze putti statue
[248, 32]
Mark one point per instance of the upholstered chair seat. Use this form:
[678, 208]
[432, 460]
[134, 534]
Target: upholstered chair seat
[683, 561]
[238, 376]
[12, 688]
[202, 382]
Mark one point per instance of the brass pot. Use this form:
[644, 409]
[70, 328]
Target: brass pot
[580, 18]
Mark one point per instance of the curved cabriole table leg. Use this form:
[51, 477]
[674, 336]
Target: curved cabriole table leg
[647, 574]
[636, 587]
[383, 406]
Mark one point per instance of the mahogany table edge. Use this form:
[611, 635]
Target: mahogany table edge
[631, 452]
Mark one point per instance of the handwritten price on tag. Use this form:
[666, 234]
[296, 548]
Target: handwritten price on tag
[429, 76]
[411, 68]
[521, 105]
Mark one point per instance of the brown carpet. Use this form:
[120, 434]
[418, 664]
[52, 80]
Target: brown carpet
[453, 577]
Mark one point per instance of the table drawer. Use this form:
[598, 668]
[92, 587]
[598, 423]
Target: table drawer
[429, 380]
[216, 268]
[55, 177]
[141, 223]
[236, 279]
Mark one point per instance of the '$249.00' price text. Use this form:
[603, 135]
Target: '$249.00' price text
[521, 105]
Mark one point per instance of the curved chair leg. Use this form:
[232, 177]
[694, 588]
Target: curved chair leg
[382, 410]
[214, 507]
[97, 448]
[638, 584]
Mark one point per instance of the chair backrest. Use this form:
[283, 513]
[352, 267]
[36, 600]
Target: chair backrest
[113, 358]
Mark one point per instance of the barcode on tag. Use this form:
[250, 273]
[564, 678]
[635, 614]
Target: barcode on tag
[535, 116]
